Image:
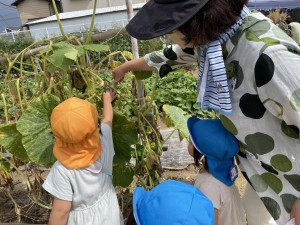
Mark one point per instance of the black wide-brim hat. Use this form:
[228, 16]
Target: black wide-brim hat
[160, 17]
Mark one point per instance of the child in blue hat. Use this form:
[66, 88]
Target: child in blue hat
[169, 203]
[214, 147]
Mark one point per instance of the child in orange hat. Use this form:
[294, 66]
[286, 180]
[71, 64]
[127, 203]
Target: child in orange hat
[81, 178]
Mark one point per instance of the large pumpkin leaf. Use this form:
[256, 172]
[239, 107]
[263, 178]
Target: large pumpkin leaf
[34, 125]
[59, 60]
[11, 140]
[178, 119]
[96, 47]
[61, 45]
[64, 55]
[122, 175]
[72, 54]
[125, 134]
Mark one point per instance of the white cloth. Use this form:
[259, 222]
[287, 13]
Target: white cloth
[295, 27]
[291, 222]
[93, 197]
[225, 199]
[257, 213]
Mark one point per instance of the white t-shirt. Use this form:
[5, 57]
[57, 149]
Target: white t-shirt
[94, 200]
[225, 199]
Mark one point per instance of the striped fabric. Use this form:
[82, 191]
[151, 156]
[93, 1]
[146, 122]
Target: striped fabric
[212, 87]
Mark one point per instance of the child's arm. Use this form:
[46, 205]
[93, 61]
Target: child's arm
[60, 212]
[295, 213]
[216, 216]
[108, 112]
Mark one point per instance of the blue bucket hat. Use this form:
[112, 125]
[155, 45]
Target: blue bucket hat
[219, 146]
[172, 202]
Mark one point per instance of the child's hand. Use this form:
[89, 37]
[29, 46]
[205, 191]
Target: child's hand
[109, 96]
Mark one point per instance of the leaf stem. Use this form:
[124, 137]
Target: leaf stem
[88, 39]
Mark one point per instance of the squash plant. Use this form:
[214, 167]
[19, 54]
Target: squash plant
[63, 68]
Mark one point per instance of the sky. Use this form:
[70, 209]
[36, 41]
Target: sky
[8, 15]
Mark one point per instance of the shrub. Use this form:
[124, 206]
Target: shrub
[178, 88]
[17, 46]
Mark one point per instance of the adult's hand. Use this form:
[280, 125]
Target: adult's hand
[133, 65]
[119, 73]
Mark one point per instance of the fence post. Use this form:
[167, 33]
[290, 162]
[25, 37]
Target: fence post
[47, 32]
[13, 36]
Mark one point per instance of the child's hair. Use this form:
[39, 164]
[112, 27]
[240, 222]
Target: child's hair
[197, 157]
[214, 18]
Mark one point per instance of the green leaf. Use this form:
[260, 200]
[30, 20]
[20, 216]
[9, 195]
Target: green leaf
[11, 140]
[125, 134]
[34, 125]
[64, 55]
[79, 49]
[178, 119]
[72, 54]
[5, 166]
[61, 45]
[96, 47]
[51, 68]
[58, 59]
[142, 75]
[122, 175]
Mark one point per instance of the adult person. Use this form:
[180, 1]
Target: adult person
[249, 73]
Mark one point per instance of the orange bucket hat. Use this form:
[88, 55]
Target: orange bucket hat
[75, 127]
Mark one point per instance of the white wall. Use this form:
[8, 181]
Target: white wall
[76, 5]
[79, 25]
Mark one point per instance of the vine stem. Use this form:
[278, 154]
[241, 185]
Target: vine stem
[82, 60]
[88, 39]
[170, 135]
[28, 184]
[96, 75]
[153, 130]
[82, 75]
[17, 207]
[152, 97]
[11, 63]
[144, 132]
[105, 58]
[150, 178]
[50, 85]
[19, 93]
[19, 70]
[5, 108]
[58, 20]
